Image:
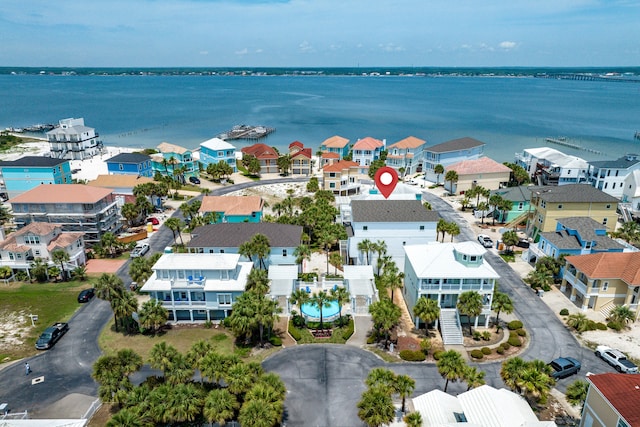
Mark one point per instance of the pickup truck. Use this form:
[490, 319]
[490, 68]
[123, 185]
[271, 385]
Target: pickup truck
[617, 359]
[139, 251]
[51, 335]
[564, 366]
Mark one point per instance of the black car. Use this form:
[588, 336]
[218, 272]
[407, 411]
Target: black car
[86, 295]
[194, 180]
[51, 335]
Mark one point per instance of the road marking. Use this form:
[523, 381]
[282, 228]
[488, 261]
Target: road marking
[37, 380]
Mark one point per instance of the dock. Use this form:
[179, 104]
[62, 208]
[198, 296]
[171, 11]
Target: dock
[561, 140]
[246, 132]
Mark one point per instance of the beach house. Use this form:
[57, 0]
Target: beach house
[337, 145]
[519, 197]
[548, 166]
[198, 287]
[301, 158]
[122, 186]
[216, 150]
[609, 175]
[484, 171]
[174, 161]
[365, 151]
[406, 155]
[227, 238]
[267, 156]
[25, 173]
[130, 164]
[73, 140]
[233, 208]
[448, 153]
[612, 400]
[341, 178]
[631, 194]
[76, 207]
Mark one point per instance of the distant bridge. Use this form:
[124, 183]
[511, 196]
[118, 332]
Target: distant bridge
[589, 77]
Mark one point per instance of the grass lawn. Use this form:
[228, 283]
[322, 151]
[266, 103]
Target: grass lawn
[52, 302]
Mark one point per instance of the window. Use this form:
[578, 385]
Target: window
[605, 286]
[365, 228]
[36, 253]
[332, 185]
[422, 228]
[221, 251]
[284, 252]
[180, 274]
[120, 166]
[608, 207]
[604, 221]
[220, 153]
[543, 204]
[332, 174]
[224, 299]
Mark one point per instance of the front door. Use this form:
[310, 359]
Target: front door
[448, 301]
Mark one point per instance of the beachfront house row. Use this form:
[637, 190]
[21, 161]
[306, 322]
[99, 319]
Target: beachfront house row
[174, 161]
[365, 151]
[341, 178]
[448, 153]
[612, 400]
[609, 175]
[519, 197]
[76, 207]
[573, 236]
[122, 186]
[406, 155]
[198, 287]
[216, 150]
[25, 173]
[301, 159]
[72, 140]
[267, 156]
[39, 240]
[395, 222]
[137, 164]
[337, 145]
[549, 203]
[483, 171]
[482, 406]
[443, 271]
[227, 238]
[603, 280]
[233, 209]
[548, 166]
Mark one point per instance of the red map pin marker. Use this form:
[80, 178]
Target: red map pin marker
[386, 179]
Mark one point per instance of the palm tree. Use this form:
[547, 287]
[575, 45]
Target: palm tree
[385, 315]
[265, 314]
[577, 392]
[535, 383]
[257, 413]
[495, 200]
[441, 227]
[124, 307]
[79, 273]
[380, 248]
[341, 296]
[451, 367]
[381, 378]
[622, 314]
[130, 212]
[427, 310]
[510, 239]
[175, 225]
[326, 240]
[453, 229]
[578, 321]
[220, 406]
[392, 278]
[404, 385]
[212, 366]
[539, 278]
[451, 176]
[299, 297]
[110, 287]
[470, 304]
[184, 403]
[180, 372]
[439, 170]
[153, 315]
[501, 303]
[257, 282]
[376, 407]
[261, 247]
[239, 378]
[246, 250]
[473, 377]
[109, 241]
[302, 253]
[163, 356]
[126, 418]
[510, 372]
[335, 259]
[483, 207]
[321, 300]
[60, 256]
[414, 419]
[365, 246]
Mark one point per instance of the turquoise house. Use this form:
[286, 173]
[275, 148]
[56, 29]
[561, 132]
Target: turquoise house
[26, 173]
[172, 158]
[216, 150]
[519, 197]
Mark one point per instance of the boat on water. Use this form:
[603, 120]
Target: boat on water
[246, 132]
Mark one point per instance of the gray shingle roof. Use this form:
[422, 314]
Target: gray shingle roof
[624, 162]
[572, 193]
[129, 158]
[586, 228]
[391, 211]
[520, 193]
[584, 225]
[232, 235]
[33, 161]
[455, 145]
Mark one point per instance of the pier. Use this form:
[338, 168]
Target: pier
[561, 140]
[246, 132]
[615, 78]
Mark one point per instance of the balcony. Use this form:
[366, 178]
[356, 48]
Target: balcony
[579, 285]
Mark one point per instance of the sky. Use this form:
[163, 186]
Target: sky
[319, 33]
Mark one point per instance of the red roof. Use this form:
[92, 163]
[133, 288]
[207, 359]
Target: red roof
[305, 152]
[335, 142]
[367, 143]
[478, 166]
[609, 265]
[623, 393]
[330, 155]
[296, 144]
[260, 151]
[340, 166]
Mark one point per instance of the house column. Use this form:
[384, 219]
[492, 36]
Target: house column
[572, 297]
[563, 285]
[585, 303]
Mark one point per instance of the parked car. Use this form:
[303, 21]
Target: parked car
[485, 240]
[139, 250]
[153, 220]
[86, 294]
[194, 180]
[564, 366]
[617, 359]
[523, 243]
[51, 335]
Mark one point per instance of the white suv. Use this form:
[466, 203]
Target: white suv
[139, 251]
[485, 240]
[617, 359]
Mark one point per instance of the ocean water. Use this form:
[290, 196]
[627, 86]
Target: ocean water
[507, 113]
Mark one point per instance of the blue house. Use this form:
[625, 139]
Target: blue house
[573, 236]
[448, 153]
[173, 158]
[519, 197]
[26, 173]
[336, 144]
[216, 150]
[233, 208]
[130, 164]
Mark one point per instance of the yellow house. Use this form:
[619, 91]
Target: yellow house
[549, 203]
[483, 171]
[603, 280]
[612, 401]
[342, 177]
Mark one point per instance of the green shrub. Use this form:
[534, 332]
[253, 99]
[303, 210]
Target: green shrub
[298, 320]
[514, 341]
[348, 330]
[564, 312]
[412, 356]
[591, 326]
[294, 332]
[500, 350]
[307, 277]
[371, 339]
[514, 324]
[601, 326]
[476, 354]
[275, 341]
[616, 326]
[546, 288]
[438, 354]
[477, 335]
[486, 351]
[208, 324]
[486, 335]
[227, 322]
[505, 345]
[521, 332]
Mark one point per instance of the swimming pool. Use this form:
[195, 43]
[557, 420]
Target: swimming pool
[328, 313]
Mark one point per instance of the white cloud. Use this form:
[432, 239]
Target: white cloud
[242, 52]
[506, 45]
[305, 47]
[204, 52]
[391, 47]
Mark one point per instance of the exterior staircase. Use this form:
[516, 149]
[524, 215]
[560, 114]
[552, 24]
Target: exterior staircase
[450, 327]
[605, 310]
